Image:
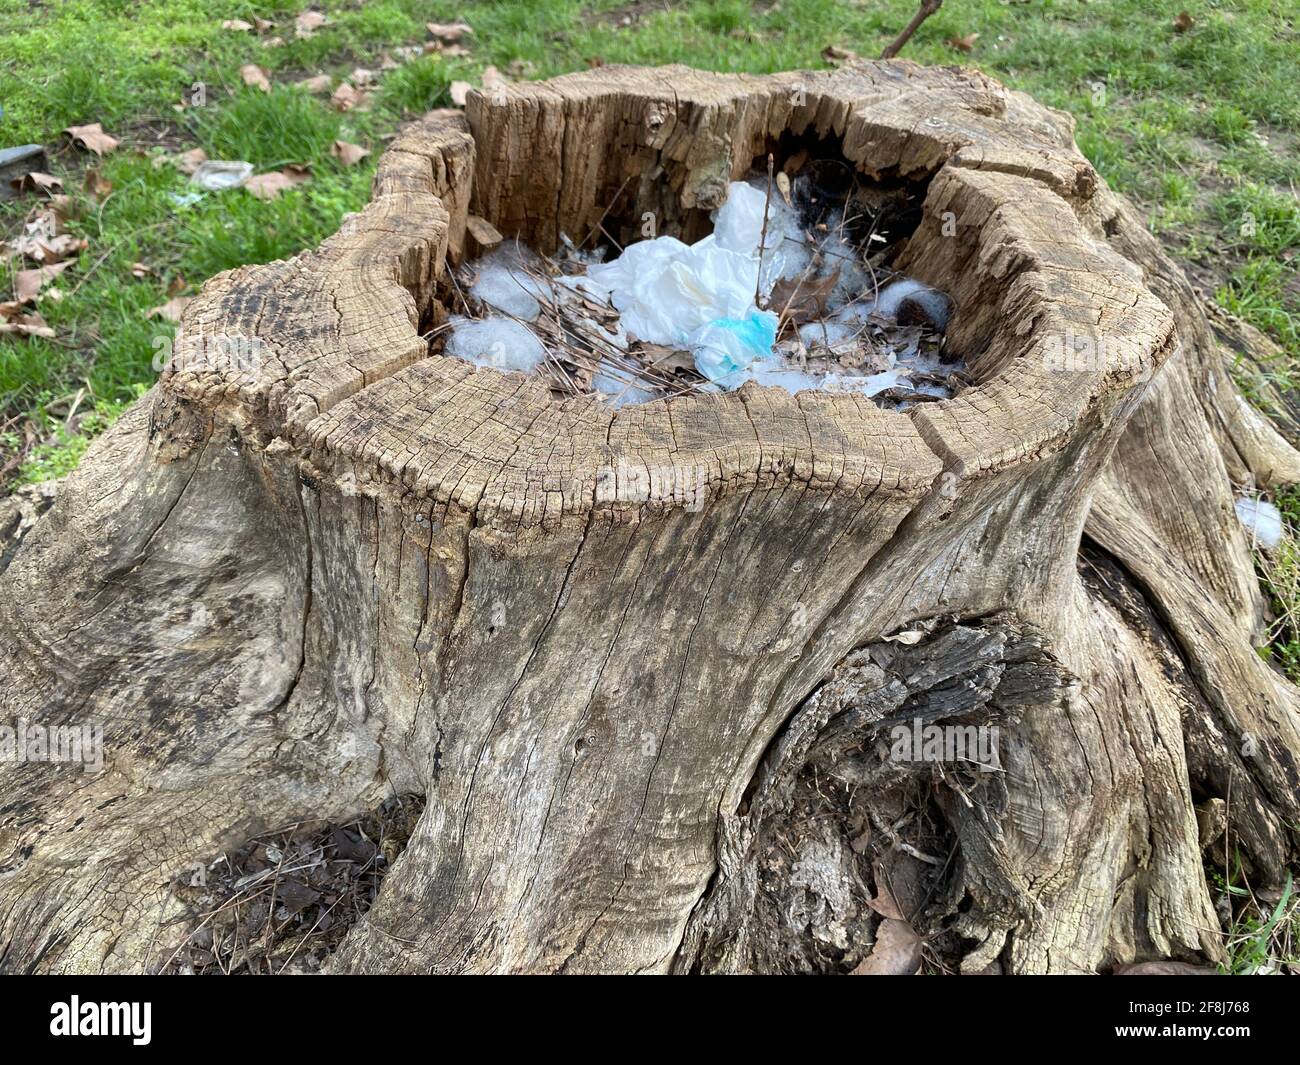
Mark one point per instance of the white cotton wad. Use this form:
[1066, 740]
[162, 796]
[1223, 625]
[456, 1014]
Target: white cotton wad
[504, 284]
[617, 388]
[928, 302]
[496, 342]
[1262, 520]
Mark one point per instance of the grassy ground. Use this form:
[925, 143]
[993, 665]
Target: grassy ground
[1201, 127]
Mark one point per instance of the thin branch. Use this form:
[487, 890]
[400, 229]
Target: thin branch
[927, 8]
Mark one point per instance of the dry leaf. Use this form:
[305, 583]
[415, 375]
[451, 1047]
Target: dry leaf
[175, 286]
[963, 44]
[49, 248]
[346, 98]
[363, 78]
[897, 951]
[262, 24]
[255, 77]
[835, 54]
[139, 271]
[18, 323]
[28, 283]
[803, 299]
[308, 23]
[319, 84]
[451, 51]
[97, 185]
[60, 208]
[783, 187]
[237, 24]
[269, 186]
[172, 309]
[38, 182]
[92, 138]
[664, 357]
[273, 42]
[1183, 22]
[884, 903]
[448, 32]
[188, 162]
[459, 91]
[348, 154]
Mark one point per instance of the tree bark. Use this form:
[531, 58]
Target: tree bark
[643, 664]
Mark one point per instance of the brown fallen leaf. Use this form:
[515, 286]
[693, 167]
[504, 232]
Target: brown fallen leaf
[38, 182]
[61, 208]
[172, 309]
[448, 32]
[255, 77]
[96, 185]
[451, 51]
[663, 357]
[884, 903]
[48, 248]
[1183, 22]
[963, 44]
[237, 24]
[269, 186]
[800, 299]
[175, 286]
[273, 42]
[318, 84]
[308, 23]
[459, 91]
[897, 951]
[347, 153]
[140, 271]
[346, 98]
[834, 54]
[28, 283]
[92, 138]
[188, 162]
[262, 24]
[19, 323]
[783, 187]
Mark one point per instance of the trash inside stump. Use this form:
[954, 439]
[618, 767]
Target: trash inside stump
[789, 290]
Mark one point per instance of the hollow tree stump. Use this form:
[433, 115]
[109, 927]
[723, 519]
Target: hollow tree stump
[641, 663]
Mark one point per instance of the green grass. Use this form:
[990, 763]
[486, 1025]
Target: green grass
[1201, 128]
[1263, 936]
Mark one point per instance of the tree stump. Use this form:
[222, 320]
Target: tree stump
[644, 665]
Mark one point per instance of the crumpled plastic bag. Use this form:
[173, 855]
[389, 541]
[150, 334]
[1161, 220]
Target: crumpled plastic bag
[215, 175]
[701, 296]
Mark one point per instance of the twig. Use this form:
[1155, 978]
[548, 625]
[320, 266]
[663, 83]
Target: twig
[927, 8]
[762, 240]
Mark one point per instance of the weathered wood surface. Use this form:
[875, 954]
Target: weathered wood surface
[336, 567]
